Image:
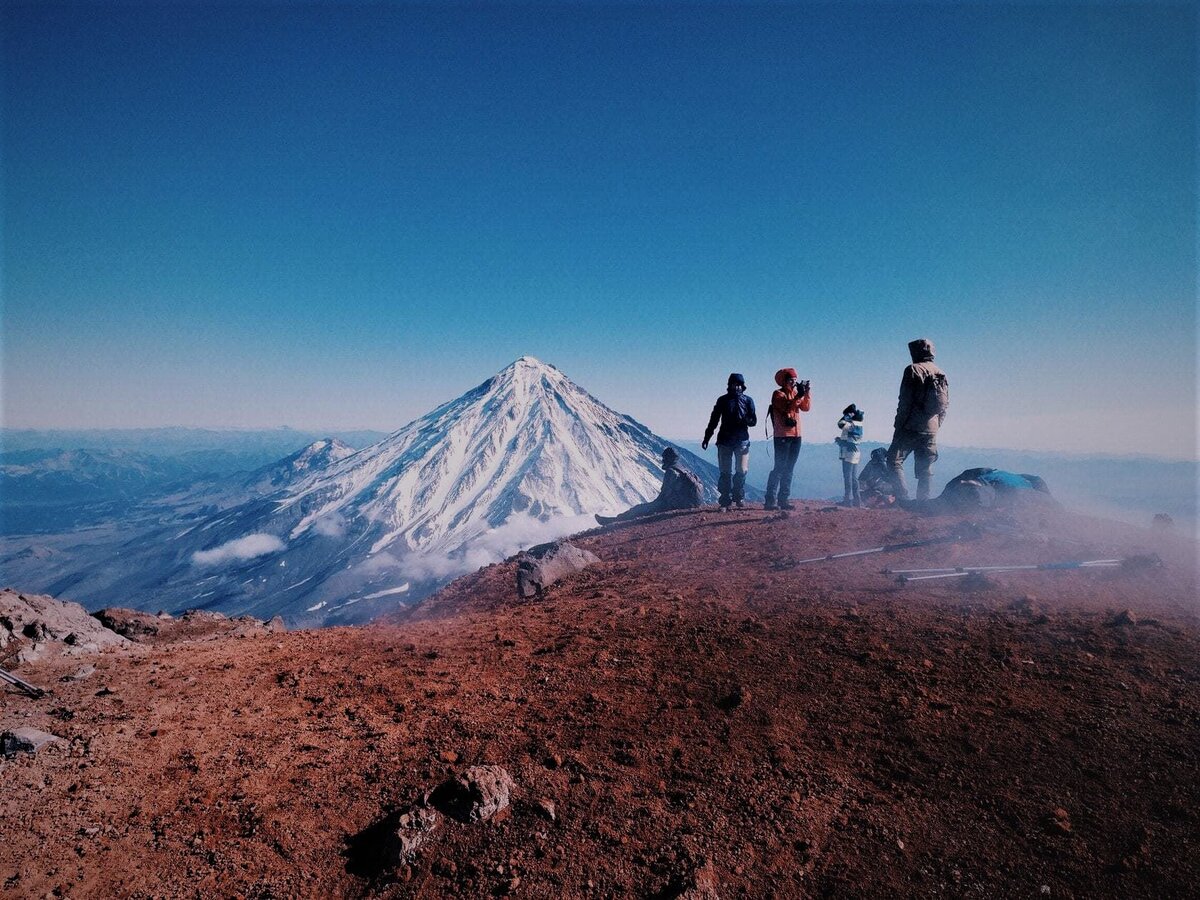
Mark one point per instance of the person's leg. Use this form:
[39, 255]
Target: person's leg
[642, 509]
[848, 492]
[773, 478]
[926, 455]
[855, 499]
[790, 455]
[896, 455]
[742, 455]
[725, 463]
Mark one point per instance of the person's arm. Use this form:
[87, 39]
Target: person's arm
[751, 413]
[712, 424]
[908, 390]
[804, 402]
[942, 414]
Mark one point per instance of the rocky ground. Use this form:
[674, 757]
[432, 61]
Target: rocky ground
[699, 714]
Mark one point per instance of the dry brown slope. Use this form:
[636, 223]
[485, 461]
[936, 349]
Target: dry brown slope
[694, 699]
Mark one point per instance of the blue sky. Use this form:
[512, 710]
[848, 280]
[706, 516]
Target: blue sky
[342, 215]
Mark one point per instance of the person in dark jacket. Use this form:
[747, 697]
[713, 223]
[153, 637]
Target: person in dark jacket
[736, 415]
[680, 490]
[920, 412]
[875, 481]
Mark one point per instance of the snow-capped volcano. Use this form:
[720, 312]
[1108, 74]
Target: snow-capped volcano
[526, 442]
[524, 457]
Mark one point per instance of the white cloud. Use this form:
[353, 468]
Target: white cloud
[332, 525]
[520, 532]
[247, 547]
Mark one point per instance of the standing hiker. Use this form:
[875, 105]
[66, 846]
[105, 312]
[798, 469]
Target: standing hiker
[787, 402]
[735, 412]
[924, 399]
[850, 435]
[680, 490]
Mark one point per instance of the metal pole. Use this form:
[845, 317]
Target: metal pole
[22, 684]
[886, 548]
[1045, 567]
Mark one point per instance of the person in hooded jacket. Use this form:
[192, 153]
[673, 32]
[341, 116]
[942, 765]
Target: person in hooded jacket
[920, 412]
[787, 402]
[735, 414]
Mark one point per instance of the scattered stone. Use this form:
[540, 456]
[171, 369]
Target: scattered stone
[276, 625]
[1059, 821]
[449, 756]
[701, 884]
[543, 565]
[1125, 617]
[477, 794]
[81, 673]
[413, 830]
[25, 740]
[547, 808]
[130, 623]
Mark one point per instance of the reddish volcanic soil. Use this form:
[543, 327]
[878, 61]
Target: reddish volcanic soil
[708, 717]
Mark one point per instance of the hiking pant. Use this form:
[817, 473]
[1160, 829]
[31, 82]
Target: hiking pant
[850, 480]
[924, 448]
[642, 509]
[779, 482]
[732, 484]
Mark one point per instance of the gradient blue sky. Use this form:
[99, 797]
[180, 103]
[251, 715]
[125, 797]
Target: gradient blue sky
[341, 215]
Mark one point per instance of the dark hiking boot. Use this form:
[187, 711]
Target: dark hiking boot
[738, 504]
[786, 505]
[770, 505]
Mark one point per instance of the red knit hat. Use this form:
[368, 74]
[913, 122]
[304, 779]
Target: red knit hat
[784, 373]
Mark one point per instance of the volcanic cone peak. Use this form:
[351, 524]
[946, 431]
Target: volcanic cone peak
[528, 440]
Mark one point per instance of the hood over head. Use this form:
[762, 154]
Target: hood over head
[921, 350]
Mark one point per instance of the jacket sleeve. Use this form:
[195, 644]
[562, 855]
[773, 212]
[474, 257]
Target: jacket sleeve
[712, 421]
[908, 392]
[805, 403]
[751, 413]
[942, 414]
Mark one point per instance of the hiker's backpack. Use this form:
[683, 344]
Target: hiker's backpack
[937, 394]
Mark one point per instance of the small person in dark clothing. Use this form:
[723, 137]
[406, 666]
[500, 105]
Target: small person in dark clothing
[875, 485]
[680, 490]
[736, 414]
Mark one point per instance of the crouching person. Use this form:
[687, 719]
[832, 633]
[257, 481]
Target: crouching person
[680, 490]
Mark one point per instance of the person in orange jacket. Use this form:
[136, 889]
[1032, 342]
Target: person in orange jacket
[791, 399]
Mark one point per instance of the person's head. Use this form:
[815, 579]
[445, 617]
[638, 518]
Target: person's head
[786, 378]
[921, 350]
[879, 454]
[736, 382]
[669, 457]
[850, 410]
[859, 415]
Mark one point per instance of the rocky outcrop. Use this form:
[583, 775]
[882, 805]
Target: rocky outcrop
[541, 566]
[477, 794]
[43, 626]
